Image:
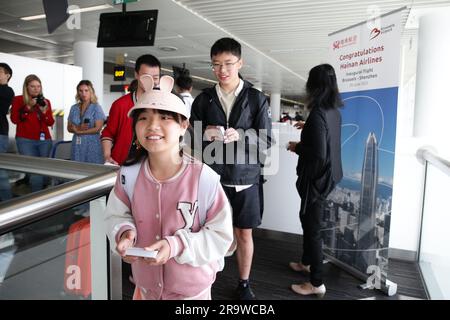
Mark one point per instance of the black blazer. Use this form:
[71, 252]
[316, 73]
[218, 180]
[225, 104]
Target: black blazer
[319, 166]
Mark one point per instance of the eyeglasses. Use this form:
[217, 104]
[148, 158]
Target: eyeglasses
[228, 66]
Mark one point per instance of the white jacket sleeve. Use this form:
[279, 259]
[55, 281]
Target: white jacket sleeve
[212, 241]
[118, 218]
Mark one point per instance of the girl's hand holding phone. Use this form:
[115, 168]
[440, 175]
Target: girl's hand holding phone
[163, 248]
[126, 241]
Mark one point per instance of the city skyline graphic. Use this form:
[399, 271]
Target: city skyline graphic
[357, 213]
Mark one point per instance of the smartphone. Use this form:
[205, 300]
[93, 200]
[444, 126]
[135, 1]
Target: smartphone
[222, 131]
[86, 121]
[141, 252]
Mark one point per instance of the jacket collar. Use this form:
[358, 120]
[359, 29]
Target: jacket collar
[211, 91]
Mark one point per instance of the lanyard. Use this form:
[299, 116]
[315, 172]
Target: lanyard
[82, 115]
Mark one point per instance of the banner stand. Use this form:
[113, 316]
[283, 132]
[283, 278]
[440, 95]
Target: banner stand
[372, 282]
[357, 214]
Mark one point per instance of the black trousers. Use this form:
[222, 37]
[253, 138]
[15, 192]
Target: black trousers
[312, 241]
[311, 221]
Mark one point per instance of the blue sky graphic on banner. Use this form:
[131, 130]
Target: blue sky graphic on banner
[365, 112]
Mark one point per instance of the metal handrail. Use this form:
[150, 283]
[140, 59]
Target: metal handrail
[429, 155]
[93, 181]
[51, 167]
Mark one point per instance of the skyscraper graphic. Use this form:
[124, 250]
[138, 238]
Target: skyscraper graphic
[366, 235]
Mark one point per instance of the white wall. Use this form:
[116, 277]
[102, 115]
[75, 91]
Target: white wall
[108, 96]
[423, 115]
[408, 174]
[59, 83]
[281, 200]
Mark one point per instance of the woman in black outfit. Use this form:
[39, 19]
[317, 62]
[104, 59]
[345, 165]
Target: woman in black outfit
[319, 169]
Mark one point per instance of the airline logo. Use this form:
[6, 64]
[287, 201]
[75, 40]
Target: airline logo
[374, 33]
[347, 41]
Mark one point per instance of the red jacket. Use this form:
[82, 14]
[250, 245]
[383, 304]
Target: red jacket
[30, 123]
[119, 128]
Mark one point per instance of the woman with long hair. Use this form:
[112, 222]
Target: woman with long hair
[32, 113]
[85, 121]
[319, 169]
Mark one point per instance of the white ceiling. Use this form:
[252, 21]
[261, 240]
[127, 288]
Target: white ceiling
[282, 39]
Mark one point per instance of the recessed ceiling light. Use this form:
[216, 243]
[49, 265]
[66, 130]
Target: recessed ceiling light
[178, 36]
[168, 48]
[29, 37]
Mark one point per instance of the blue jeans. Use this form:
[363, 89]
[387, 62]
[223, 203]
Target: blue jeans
[4, 143]
[34, 148]
[5, 187]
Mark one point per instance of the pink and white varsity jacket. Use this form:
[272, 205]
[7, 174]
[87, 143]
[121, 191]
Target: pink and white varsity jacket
[168, 210]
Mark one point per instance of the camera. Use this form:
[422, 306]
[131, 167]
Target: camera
[40, 100]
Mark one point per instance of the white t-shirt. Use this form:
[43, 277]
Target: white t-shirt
[187, 99]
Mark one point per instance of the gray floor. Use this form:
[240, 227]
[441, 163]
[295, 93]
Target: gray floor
[271, 277]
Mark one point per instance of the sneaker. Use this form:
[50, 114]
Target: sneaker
[244, 292]
[299, 267]
[307, 289]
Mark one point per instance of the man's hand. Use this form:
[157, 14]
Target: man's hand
[231, 135]
[299, 124]
[111, 161]
[214, 133]
[106, 148]
[291, 145]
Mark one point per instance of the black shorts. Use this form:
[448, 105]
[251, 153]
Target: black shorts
[245, 205]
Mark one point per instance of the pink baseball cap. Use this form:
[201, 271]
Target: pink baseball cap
[161, 99]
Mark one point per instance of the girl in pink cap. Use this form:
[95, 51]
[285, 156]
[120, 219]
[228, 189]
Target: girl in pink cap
[167, 203]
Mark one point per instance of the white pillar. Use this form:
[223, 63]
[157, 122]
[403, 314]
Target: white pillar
[275, 106]
[90, 58]
[432, 103]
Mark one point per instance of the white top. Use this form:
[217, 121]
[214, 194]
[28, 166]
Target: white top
[187, 99]
[227, 99]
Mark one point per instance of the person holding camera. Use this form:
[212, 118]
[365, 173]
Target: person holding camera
[32, 114]
[85, 121]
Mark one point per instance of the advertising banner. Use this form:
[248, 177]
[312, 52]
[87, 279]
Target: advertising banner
[358, 212]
